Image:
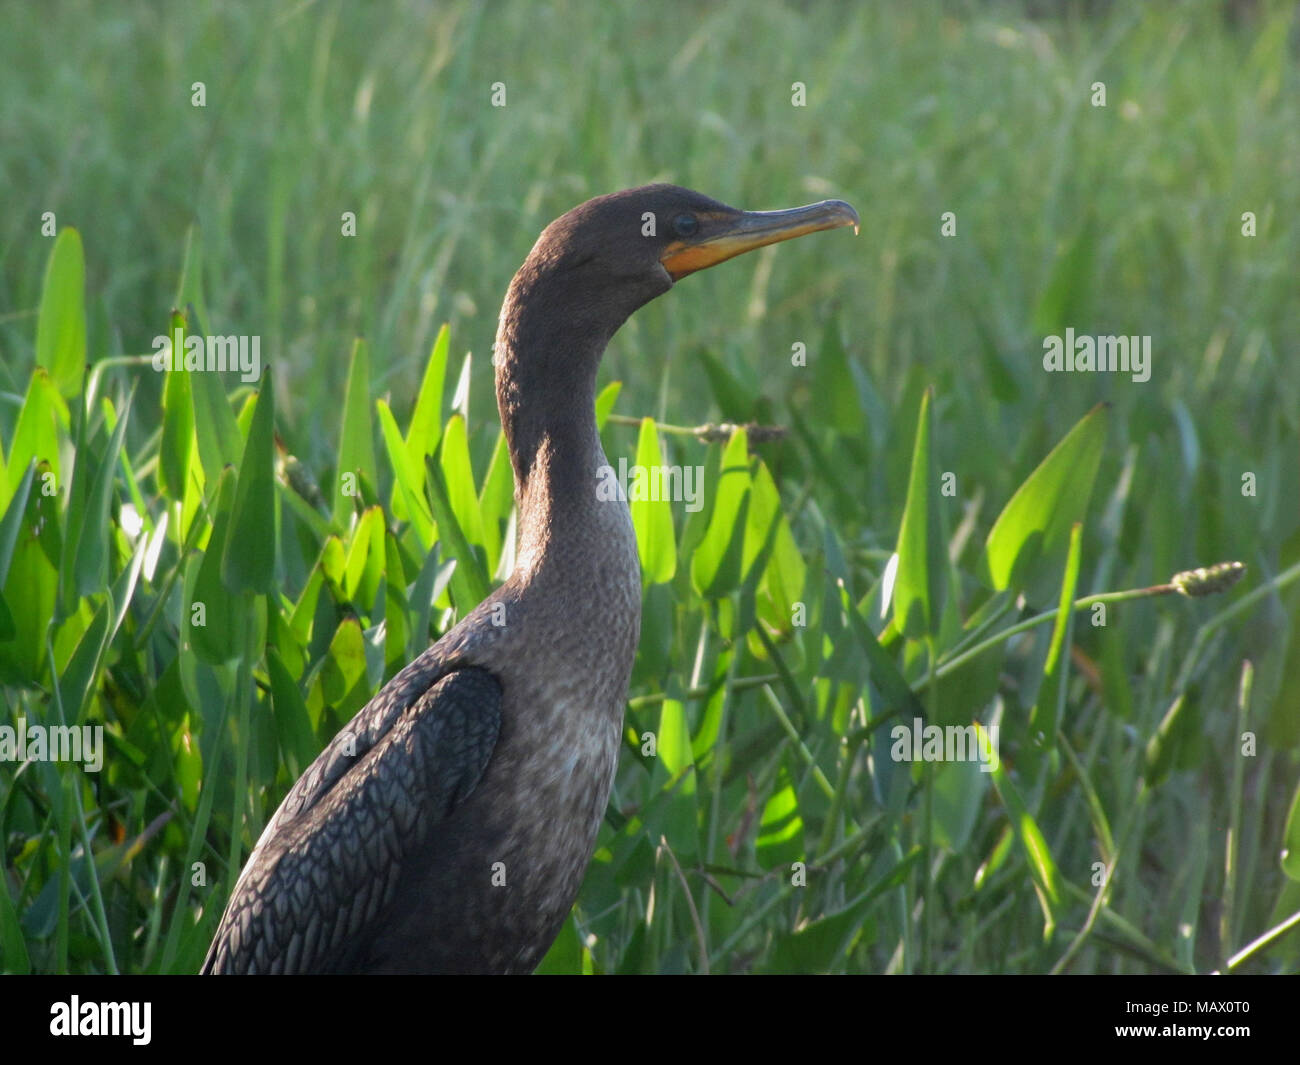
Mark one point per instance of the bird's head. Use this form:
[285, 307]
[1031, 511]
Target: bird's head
[611, 255]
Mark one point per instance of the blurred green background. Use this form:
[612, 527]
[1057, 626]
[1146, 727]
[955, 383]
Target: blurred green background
[1125, 218]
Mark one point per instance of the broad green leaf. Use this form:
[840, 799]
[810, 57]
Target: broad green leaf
[11, 519]
[77, 676]
[189, 286]
[835, 384]
[817, 946]
[469, 584]
[716, 562]
[1045, 717]
[292, 722]
[213, 621]
[425, 429]
[780, 833]
[674, 743]
[178, 415]
[31, 585]
[1064, 297]
[460, 397]
[334, 564]
[1042, 866]
[605, 402]
[734, 400]
[14, 958]
[248, 560]
[90, 569]
[187, 763]
[458, 476]
[1036, 522]
[397, 609]
[366, 556]
[423, 433]
[495, 500]
[341, 682]
[959, 789]
[356, 448]
[41, 420]
[884, 671]
[215, 428]
[674, 812]
[61, 325]
[652, 517]
[565, 956]
[918, 585]
[408, 481]
[783, 579]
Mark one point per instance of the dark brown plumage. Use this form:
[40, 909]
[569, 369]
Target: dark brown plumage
[448, 827]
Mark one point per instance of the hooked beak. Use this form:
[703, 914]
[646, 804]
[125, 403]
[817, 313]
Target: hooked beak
[752, 229]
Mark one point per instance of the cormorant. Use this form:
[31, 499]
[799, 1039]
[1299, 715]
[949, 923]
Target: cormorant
[448, 827]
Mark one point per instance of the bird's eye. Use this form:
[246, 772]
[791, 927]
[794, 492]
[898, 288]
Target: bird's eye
[686, 225]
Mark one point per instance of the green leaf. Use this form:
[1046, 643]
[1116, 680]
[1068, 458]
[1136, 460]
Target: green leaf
[918, 584]
[1291, 839]
[408, 482]
[675, 811]
[12, 521]
[884, 672]
[1035, 524]
[652, 518]
[189, 287]
[1166, 742]
[819, 945]
[605, 402]
[31, 584]
[459, 478]
[215, 427]
[1045, 717]
[716, 562]
[783, 578]
[213, 622]
[1042, 866]
[495, 500]
[780, 833]
[178, 416]
[959, 789]
[356, 448]
[565, 956]
[423, 433]
[292, 722]
[734, 400]
[843, 411]
[248, 560]
[78, 674]
[425, 429]
[469, 584]
[61, 325]
[1064, 297]
[90, 568]
[36, 436]
[366, 557]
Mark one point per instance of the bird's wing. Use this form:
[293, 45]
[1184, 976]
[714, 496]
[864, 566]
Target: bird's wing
[330, 858]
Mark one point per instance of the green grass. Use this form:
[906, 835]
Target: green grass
[1130, 827]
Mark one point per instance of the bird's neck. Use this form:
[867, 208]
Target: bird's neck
[546, 392]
